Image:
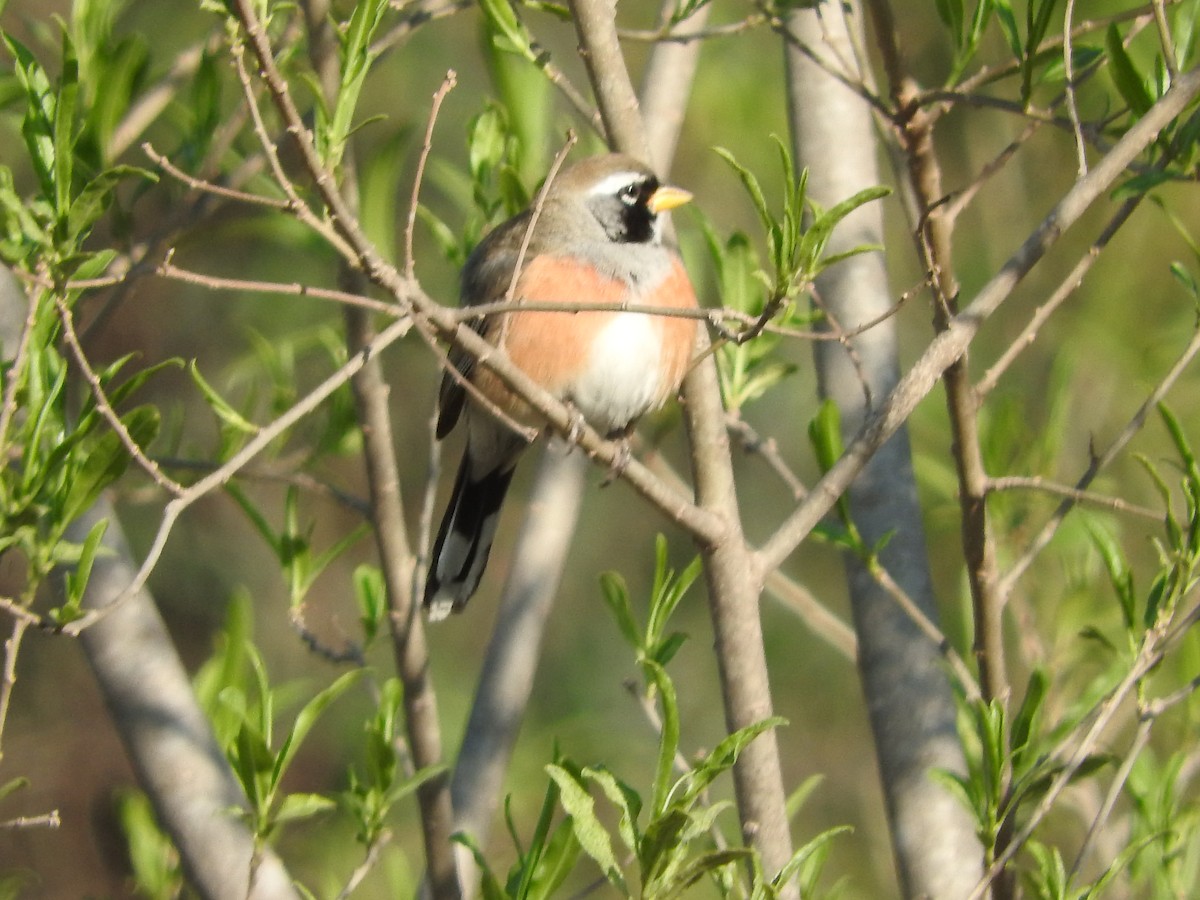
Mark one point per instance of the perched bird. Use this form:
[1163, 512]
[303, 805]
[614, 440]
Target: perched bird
[596, 239]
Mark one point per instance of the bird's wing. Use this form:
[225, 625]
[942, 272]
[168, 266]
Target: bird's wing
[485, 279]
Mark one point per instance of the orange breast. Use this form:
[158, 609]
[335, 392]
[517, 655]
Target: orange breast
[553, 347]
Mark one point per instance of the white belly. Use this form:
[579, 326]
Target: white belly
[621, 379]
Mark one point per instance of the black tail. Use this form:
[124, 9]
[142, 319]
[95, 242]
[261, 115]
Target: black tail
[465, 538]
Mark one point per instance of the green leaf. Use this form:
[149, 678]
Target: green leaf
[797, 798]
[1119, 573]
[722, 757]
[1130, 85]
[825, 434]
[753, 188]
[77, 578]
[107, 459]
[152, 856]
[1008, 26]
[356, 62]
[708, 863]
[371, 595]
[40, 104]
[13, 785]
[64, 127]
[624, 798]
[556, 860]
[296, 807]
[305, 719]
[951, 14]
[95, 197]
[817, 847]
[226, 413]
[616, 596]
[588, 831]
[668, 744]
[662, 845]
[1023, 724]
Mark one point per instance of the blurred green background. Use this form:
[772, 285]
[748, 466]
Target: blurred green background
[1074, 388]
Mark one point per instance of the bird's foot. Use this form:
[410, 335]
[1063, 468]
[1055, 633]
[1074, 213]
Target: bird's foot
[620, 461]
[575, 423]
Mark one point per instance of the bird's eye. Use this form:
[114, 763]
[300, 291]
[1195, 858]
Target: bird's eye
[629, 194]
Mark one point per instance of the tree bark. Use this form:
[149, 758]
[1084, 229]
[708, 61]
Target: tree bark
[166, 734]
[910, 703]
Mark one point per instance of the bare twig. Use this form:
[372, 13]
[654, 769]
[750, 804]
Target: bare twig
[535, 213]
[8, 680]
[1098, 463]
[208, 187]
[816, 617]
[962, 328]
[1076, 495]
[168, 269]
[1072, 105]
[105, 408]
[257, 444]
[19, 356]
[296, 206]
[410, 226]
[50, 820]
[766, 447]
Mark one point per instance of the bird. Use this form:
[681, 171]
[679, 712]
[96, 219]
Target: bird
[595, 237]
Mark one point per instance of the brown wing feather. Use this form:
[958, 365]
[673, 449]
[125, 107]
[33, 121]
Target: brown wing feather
[485, 278]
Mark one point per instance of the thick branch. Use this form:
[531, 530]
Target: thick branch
[911, 706]
[167, 736]
[371, 394]
[733, 586]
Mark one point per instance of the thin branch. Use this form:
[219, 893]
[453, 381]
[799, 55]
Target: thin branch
[208, 187]
[363, 869]
[410, 225]
[766, 447]
[817, 618]
[51, 820]
[1069, 75]
[256, 445]
[1064, 291]
[535, 213]
[930, 629]
[149, 104]
[296, 206]
[673, 33]
[1140, 739]
[8, 679]
[1099, 462]
[1165, 39]
[957, 201]
[414, 19]
[16, 366]
[105, 408]
[168, 269]
[963, 327]
[1076, 495]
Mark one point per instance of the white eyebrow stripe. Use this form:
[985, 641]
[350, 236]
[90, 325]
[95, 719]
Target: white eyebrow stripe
[610, 184]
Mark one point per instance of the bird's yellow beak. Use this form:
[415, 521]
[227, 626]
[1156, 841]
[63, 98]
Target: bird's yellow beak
[668, 197]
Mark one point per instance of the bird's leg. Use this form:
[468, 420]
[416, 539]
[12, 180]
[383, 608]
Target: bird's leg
[623, 439]
[575, 423]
